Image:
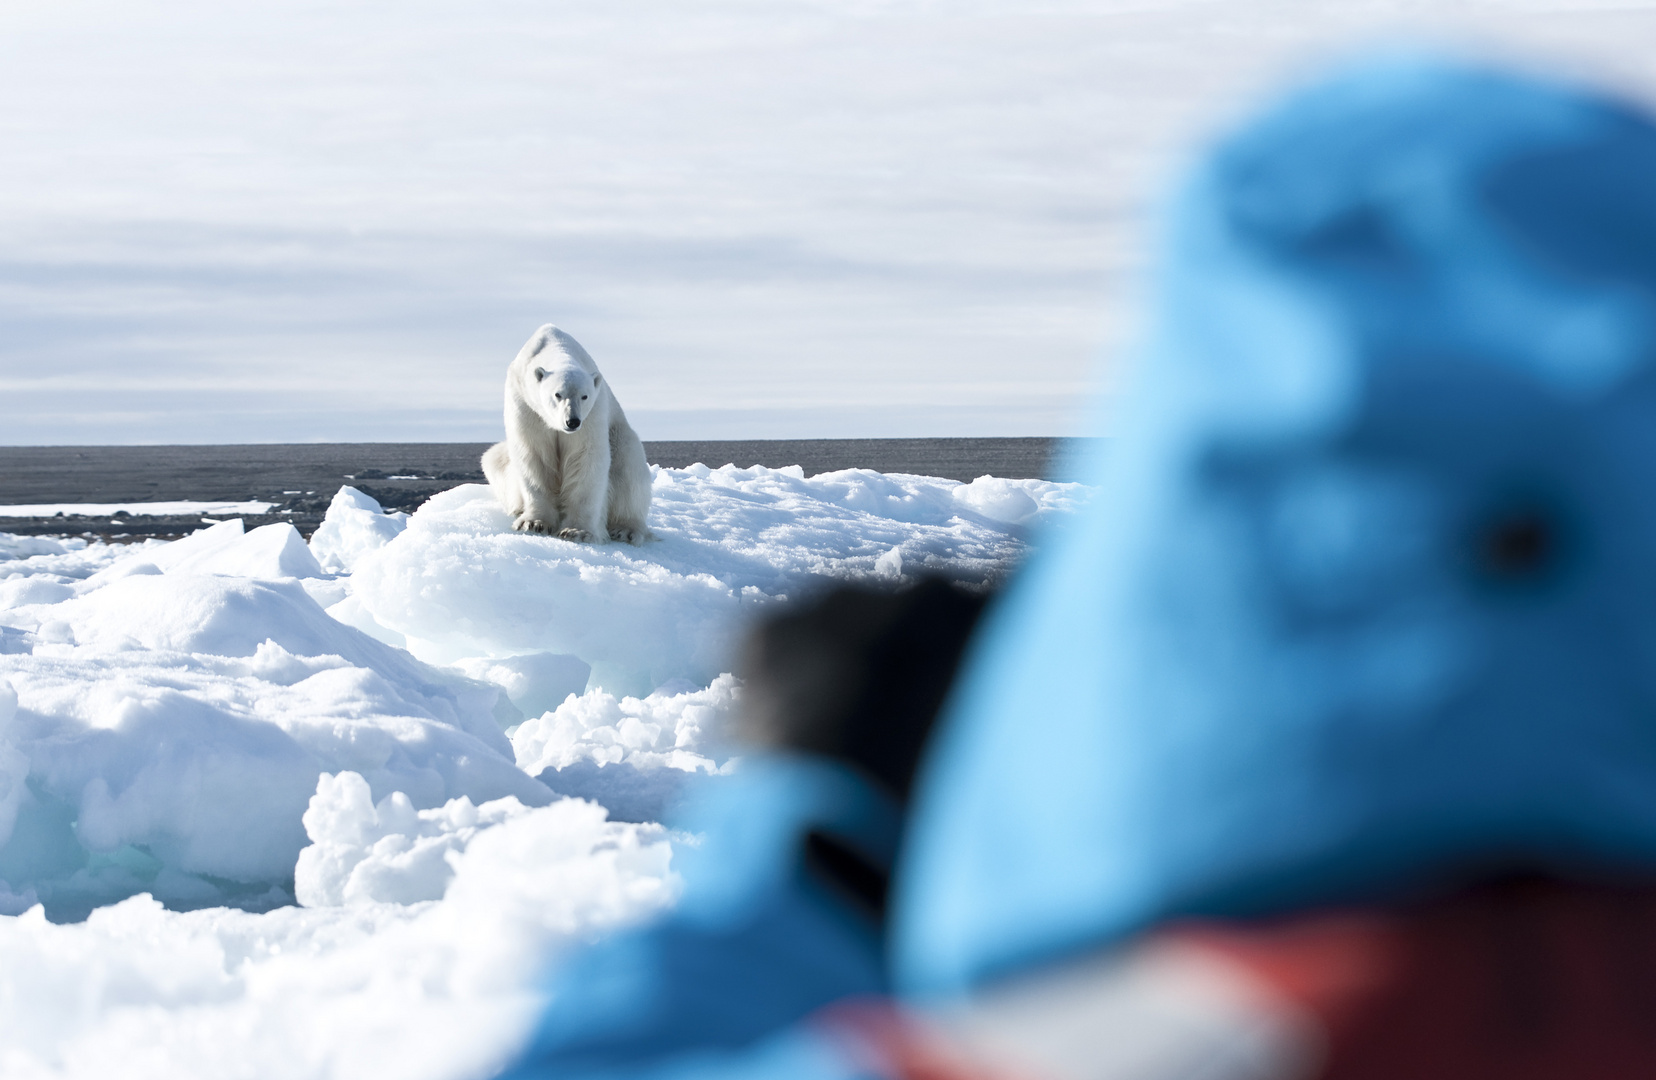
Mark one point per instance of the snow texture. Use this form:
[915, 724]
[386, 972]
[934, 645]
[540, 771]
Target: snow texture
[458, 583]
[356, 524]
[275, 809]
[376, 989]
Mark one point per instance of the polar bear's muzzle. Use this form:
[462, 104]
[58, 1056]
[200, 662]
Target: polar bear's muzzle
[572, 423]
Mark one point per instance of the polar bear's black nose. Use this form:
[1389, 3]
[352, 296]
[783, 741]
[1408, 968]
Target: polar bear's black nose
[572, 423]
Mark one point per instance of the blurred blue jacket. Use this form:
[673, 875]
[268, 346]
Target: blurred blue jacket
[1368, 595]
[761, 939]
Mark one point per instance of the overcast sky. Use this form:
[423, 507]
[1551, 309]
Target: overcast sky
[295, 221]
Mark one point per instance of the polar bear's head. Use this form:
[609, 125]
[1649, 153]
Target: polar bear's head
[567, 395]
[560, 381]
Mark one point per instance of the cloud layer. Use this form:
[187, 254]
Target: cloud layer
[303, 222]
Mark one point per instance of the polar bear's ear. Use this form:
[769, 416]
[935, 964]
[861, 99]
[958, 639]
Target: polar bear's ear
[596, 379]
[540, 373]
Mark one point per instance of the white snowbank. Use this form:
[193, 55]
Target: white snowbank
[421, 991]
[355, 525]
[24, 547]
[361, 852]
[664, 730]
[14, 776]
[533, 683]
[635, 756]
[175, 722]
[458, 583]
[229, 724]
[270, 551]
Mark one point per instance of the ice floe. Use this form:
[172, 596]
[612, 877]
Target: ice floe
[274, 808]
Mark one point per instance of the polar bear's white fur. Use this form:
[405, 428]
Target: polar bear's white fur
[571, 465]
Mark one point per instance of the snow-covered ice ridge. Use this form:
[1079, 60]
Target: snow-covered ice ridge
[313, 795]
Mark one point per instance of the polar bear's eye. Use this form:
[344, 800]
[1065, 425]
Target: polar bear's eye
[583, 397]
[557, 396]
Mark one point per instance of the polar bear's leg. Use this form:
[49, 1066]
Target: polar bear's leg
[497, 467]
[629, 485]
[540, 508]
[585, 491]
[514, 485]
[539, 513]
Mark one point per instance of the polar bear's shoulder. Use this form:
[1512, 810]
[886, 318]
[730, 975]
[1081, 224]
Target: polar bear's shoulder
[549, 346]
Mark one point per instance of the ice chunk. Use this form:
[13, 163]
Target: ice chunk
[180, 553]
[630, 792]
[664, 730]
[27, 591]
[351, 612]
[423, 991]
[14, 766]
[15, 640]
[459, 583]
[355, 525]
[221, 615]
[175, 731]
[13, 546]
[16, 903]
[633, 755]
[270, 551]
[1000, 499]
[177, 714]
[535, 683]
[363, 853]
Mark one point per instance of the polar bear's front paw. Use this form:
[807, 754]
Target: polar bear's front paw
[629, 535]
[531, 525]
[579, 536]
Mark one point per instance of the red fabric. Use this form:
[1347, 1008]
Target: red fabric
[1520, 981]
[886, 1041]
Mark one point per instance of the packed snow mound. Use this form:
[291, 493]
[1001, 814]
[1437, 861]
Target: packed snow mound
[662, 730]
[380, 724]
[14, 776]
[178, 702]
[270, 551]
[458, 583]
[23, 547]
[355, 525]
[212, 613]
[533, 683]
[174, 725]
[426, 991]
[361, 852]
[635, 756]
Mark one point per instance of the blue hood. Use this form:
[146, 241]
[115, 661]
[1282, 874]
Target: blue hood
[1368, 595]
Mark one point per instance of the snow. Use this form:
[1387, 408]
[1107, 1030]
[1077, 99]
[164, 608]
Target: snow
[458, 584]
[363, 853]
[637, 755]
[274, 809]
[374, 989]
[356, 524]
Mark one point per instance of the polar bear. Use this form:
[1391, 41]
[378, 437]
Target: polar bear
[571, 465]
